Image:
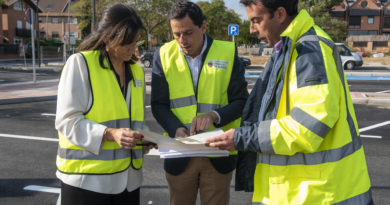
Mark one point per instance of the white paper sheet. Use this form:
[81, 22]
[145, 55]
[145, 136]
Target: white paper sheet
[192, 146]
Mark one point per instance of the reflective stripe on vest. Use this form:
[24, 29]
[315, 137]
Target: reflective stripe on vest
[213, 82]
[325, 156]
[345, 157]
[109, 108]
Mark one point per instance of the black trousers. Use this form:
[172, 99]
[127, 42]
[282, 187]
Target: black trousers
[71, 195]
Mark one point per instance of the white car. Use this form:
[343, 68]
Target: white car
[349, 58]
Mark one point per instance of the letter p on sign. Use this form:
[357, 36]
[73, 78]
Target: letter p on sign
[233, 30]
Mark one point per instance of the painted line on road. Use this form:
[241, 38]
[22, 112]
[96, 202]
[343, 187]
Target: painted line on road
[385, 91]
[374, 126]
[29, 137]
[367, 78]
[48, 114]
[348, 77]
[371, 136]
[42, 189]
[148, 106]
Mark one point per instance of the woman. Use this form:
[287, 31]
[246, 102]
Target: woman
[101, 95]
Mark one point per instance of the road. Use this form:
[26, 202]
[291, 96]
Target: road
[32, 162]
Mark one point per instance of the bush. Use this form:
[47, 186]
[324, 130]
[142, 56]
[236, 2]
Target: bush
[54, 43]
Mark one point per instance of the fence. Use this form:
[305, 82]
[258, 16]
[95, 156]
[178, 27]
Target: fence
[255, 51]
[9, 49]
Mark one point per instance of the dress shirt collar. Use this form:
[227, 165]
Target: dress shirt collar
[201, 52]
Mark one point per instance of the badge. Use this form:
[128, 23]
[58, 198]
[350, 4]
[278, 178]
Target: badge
[218, 64]
[137, 83]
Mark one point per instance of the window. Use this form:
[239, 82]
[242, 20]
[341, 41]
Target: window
[19, 24]
[360, 44]
[20, 5]
[370, 20]
[75, 34]
[343, 50]
[54, 20]
[387, 22]
[28, 25]
[362, 32]
[18, 41]
[55, 34]
[40, 19]
[363, 4]
[379, 44]
[354, 22]
[73, 20]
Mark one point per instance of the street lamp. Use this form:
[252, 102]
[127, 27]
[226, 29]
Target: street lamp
[38, 37]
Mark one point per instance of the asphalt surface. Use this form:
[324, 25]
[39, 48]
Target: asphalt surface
[28, 162]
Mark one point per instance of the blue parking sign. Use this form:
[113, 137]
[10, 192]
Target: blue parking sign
[233, 30]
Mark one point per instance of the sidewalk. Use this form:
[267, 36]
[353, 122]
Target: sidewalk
[28, 91]
[47, 90]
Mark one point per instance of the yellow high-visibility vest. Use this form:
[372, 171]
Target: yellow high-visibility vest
[311, 153]
[109, 108]
[213, 82]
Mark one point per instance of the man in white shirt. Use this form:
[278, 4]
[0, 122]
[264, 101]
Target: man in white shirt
[197, 84]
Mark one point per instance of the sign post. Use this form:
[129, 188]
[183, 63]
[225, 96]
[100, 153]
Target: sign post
[30, 19]
[233, 30]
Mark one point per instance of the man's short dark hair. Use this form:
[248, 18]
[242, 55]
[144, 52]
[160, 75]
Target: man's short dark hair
[183, 7]
[291, 6]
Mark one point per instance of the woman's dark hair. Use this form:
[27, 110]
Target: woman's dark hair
[291, 6]
[119, 25]
[183, 7]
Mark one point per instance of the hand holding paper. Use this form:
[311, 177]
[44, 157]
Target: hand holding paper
[203, 122]
[184, 147]
[224, 141]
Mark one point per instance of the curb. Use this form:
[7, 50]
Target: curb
[38, 69]
[27, 99]
[369, 98]
[368, 101]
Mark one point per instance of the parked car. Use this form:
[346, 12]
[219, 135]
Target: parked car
[349, 58]
[245, 61]
[147, 58]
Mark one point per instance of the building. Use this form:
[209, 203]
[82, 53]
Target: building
[368, 24]
[14, 29]
[56, 24]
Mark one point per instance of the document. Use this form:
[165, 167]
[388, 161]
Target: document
[193, 146]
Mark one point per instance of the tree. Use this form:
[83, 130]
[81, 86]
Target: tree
[84, 9]
[218, 18]
[319, 10]
[245, 36]
[154, 17]
[152, 13]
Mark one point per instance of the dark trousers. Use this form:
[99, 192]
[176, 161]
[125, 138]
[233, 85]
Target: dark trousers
[75, 196]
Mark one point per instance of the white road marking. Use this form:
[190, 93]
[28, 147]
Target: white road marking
[150, 202]
[385, 91]
[29, 137]
[43, 189]
[148, 106]
[371, 136]
[374, 126]
[48, 114]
